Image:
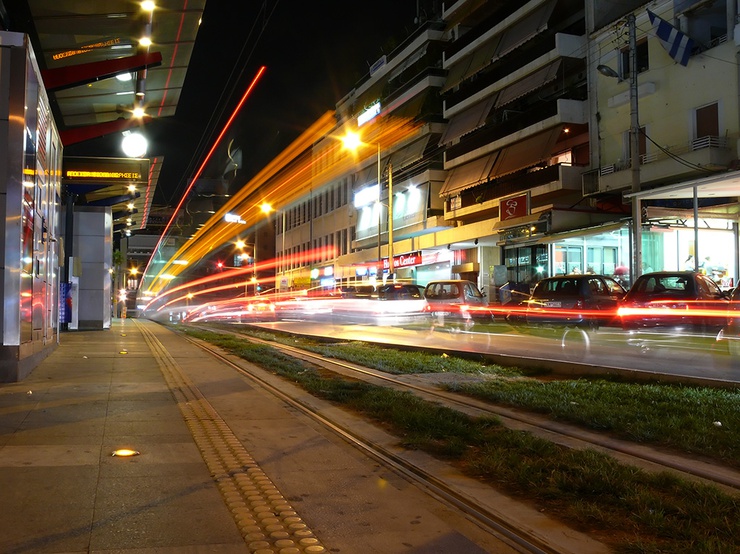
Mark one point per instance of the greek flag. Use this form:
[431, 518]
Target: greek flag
[677, 44]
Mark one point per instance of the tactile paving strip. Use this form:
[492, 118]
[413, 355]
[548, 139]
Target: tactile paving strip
[266, 520]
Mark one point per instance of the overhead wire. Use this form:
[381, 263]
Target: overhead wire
[226, 94]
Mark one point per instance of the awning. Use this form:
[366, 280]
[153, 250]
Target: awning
[467, 120]
[408, 62]
[531, 82]
[583, 232]
[525, 29]
[409, 154]
[723, 185]
[482, 57]
[457, 73]
[467, 175]
[516, 222]
[526, 153]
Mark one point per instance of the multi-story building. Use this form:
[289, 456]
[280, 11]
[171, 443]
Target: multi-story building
[506, 130]
[685, 114]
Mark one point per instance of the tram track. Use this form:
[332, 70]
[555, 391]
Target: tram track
[645, 457]
[479, 504]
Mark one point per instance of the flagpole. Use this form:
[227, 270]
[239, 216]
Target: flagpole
[636, 269]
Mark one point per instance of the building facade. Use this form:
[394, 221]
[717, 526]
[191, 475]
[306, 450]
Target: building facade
[501, 136]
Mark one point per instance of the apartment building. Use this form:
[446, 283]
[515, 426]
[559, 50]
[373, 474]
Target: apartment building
[503, 132]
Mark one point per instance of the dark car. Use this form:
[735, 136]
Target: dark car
[676, 299]
[582, 300]
[458, 301]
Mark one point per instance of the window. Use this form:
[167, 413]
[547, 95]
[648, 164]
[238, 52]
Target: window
[706, 126]
[641, 56]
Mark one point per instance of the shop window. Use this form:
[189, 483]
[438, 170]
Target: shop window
[568, 259]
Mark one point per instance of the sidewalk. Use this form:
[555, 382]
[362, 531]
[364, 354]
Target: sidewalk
[64, 491]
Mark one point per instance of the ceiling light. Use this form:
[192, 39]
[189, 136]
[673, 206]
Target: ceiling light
[134, 145]
[124, 77]
[145, 41]
[139, 112]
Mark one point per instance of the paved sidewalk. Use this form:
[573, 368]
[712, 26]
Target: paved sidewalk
[63, 491]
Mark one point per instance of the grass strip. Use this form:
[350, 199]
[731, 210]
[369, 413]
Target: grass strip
[631, 510]
[699, 421]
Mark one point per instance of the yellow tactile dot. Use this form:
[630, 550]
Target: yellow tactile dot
[256, 538]
[303, 534]
[293, 518]
[281, 536]
[315, 549]
[274, 528]
[284, 543]
[290, 550]
[263, 551]
[261, 507]
[298, 526]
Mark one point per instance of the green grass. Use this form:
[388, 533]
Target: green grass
[631, 510]
[673, 416]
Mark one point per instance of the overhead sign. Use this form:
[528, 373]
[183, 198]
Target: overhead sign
[104, 170]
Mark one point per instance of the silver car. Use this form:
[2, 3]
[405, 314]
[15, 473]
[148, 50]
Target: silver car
[456, 301]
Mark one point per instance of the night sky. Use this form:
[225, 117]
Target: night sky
[314, 53]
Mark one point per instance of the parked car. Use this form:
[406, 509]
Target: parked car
[582, 300]
[676, 299]
[456, 301]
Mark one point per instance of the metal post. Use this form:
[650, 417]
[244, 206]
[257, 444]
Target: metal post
[390, 221]
[636, 269]
[380, 222]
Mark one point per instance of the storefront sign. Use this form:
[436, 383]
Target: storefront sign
[514, 206]
[404, 260]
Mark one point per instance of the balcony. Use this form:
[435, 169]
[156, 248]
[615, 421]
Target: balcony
[694, 159]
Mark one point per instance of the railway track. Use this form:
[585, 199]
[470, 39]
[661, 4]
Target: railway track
[645, 457]
[489, 510]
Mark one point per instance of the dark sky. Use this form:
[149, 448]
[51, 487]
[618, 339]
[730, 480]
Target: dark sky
[314, 53]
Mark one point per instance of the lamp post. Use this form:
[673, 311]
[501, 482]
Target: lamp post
[352, 142]
[636, 244]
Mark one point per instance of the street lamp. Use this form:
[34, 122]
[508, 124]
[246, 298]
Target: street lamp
[636, 260]
[352, 142]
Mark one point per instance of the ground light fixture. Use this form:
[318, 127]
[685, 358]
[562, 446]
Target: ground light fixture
[125, 453]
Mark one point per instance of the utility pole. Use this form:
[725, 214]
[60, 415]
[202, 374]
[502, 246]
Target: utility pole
[636, 269]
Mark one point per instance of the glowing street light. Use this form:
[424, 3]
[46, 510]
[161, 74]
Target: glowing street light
[352, 142]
